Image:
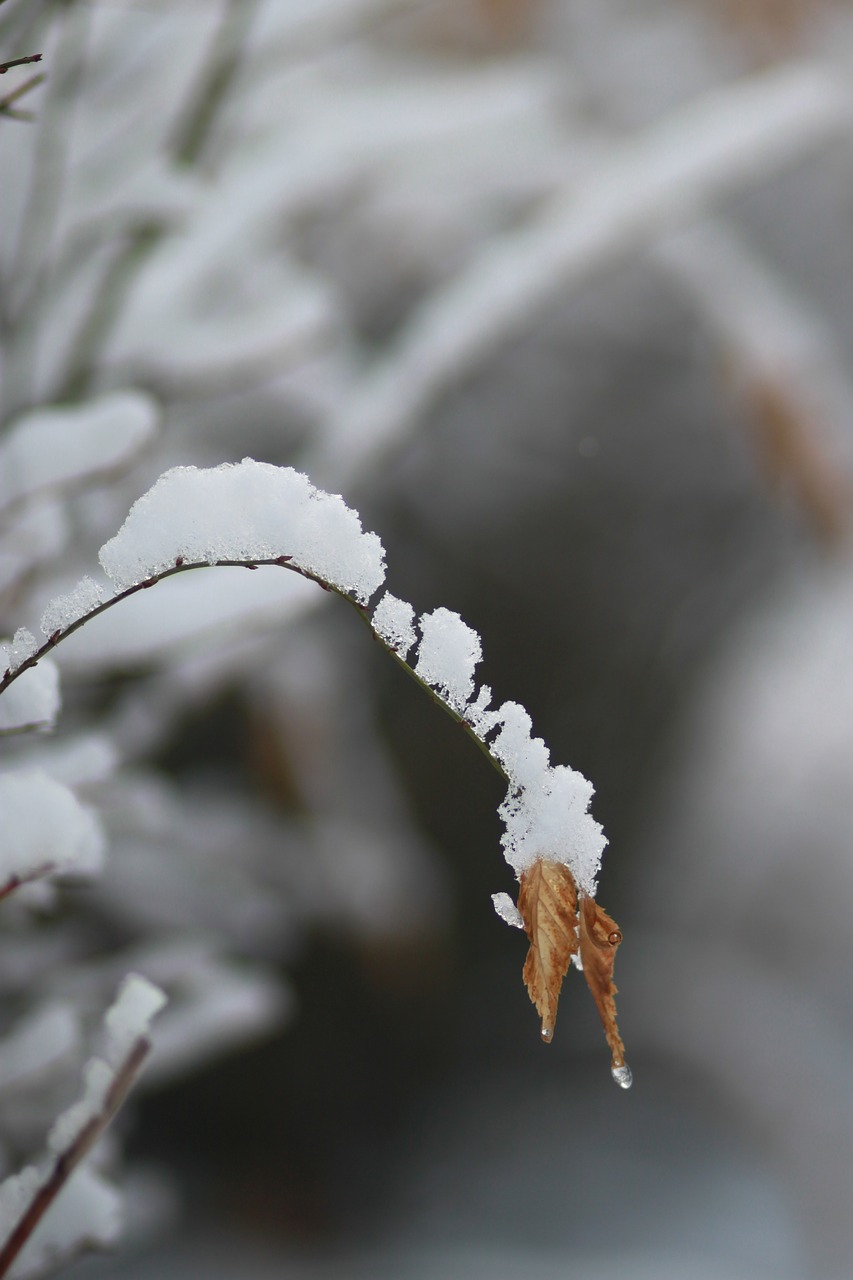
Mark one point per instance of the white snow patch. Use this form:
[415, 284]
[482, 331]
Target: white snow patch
[66, 609]
[546, 808]
[552, 820]
[44, 827]
[130, 1016]
[394, 622]
[524, 759]
[23, 646]
[447, 655]
[477, 713]
[507, 910]
[245, 511]
[33, 699]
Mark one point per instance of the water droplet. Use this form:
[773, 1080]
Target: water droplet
[614, 938]
[623, 1076]
[547, 1034]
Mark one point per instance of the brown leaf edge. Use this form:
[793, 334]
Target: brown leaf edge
[560, 924]
[548, 902]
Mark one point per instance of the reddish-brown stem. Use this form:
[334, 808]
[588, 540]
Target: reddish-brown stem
[68, 1161]
[18, 62]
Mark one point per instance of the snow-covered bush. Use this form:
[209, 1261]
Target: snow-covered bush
[476, 266]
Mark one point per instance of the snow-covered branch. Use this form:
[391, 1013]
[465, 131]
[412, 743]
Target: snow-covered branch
[27, 1248]
[255, 514]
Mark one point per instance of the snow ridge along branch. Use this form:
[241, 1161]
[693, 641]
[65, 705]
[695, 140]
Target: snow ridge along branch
[254, 514]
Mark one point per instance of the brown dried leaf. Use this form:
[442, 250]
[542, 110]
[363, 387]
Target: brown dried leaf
[599, 941]
[560, 924]
[548, 902]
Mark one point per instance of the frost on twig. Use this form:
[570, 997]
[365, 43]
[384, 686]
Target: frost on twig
[30, 1245]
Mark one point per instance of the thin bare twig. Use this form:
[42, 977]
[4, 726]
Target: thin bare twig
[15, 882]
[18, 62]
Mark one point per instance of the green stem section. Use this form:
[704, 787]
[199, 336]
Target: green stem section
[282, 562]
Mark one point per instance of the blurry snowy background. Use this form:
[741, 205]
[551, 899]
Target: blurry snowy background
[557, 293]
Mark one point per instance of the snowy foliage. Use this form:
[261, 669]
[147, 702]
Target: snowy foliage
[45, 829]
[509, 277]
[90, 1209]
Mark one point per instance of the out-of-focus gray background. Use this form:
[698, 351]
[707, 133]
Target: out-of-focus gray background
[557, 293]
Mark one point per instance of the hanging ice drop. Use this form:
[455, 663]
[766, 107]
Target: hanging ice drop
[622, 1075]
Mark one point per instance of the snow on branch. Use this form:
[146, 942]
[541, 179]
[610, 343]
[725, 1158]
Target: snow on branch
[255, 514]
[88, 1212]
[252, 511]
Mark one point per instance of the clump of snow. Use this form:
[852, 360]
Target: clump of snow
[44, 828]
[66, 609]
[245, 511]
[23, 646]
[552, 820]
[394, 622]
[447, 655]
[546, 808]
[477, 713]
[507, 910]
[130, 1016]
[53, 447]
[34, 699]
[524, 759]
